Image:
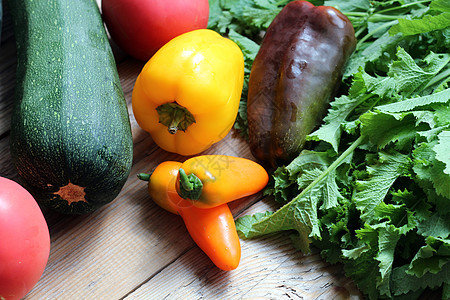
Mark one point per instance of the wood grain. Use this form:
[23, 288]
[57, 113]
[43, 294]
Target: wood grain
[133, 249]
[270, 269]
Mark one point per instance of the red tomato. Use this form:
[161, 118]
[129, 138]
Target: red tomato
[141, 27]
[24, 241]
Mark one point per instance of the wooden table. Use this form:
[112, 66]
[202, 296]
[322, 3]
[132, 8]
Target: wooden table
[133, 249]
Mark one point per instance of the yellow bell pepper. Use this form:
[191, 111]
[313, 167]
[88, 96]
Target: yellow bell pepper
[187, 95]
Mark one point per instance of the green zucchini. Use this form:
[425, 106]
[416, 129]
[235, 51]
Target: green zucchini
[71, 139]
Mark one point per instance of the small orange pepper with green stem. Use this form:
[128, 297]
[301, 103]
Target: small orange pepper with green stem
[213, 229]
[212, 180]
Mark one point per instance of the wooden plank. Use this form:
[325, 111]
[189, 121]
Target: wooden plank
[7, 73]
[270, 269]
[6, 168]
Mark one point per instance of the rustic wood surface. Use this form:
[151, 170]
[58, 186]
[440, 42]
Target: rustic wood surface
[133, 249]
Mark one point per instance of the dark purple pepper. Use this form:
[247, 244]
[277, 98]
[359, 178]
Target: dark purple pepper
[296, 72]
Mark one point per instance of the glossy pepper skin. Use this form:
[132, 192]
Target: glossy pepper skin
[187, 95]
[161, 186]
[219, 179]
[297, 70]
[213, 229]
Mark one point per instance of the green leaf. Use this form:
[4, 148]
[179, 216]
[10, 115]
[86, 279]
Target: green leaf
[371, 192]
[214, 13]
[331, 131]
[431, 258]
[446, 291]
[437, 225]
[382, 86]
[341, 108]
[308, 160]
[375, 51]
[356, 252]
[286, 181]
[429, 169]
[442, 114]
[396, 128]
[327, 192]
[416, 204]
[297, 215]
[261, 18]
[338, 231]
[249, 47]
[349, 6]
[289, 217]
[426, 24]
[410, 77]
[396, 215]
[440, 5]
[244, 226]
[387, 242]
[442, 150]
[301, 213]
[416, 103]
[365, 272]
[403, 283]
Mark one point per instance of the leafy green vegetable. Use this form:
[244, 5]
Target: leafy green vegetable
[427, 23]
[373, 189]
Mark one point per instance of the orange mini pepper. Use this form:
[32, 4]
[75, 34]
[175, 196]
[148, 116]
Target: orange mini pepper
[213, 229]
[212, 180]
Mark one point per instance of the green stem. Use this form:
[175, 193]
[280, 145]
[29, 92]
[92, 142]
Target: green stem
[325, 173]
[356, 14]
[175, 117]
[332, 167]
[438, 78]
[360, 31]
[382, 13]
[372, 18]
[184, 181]
[281, 2]
[144, 176]
[367, 36]
[380, 18]
[402, 6]
[190, 186]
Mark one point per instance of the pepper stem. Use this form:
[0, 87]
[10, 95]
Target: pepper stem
[175, 117]
[190, 186]
[144, 176]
